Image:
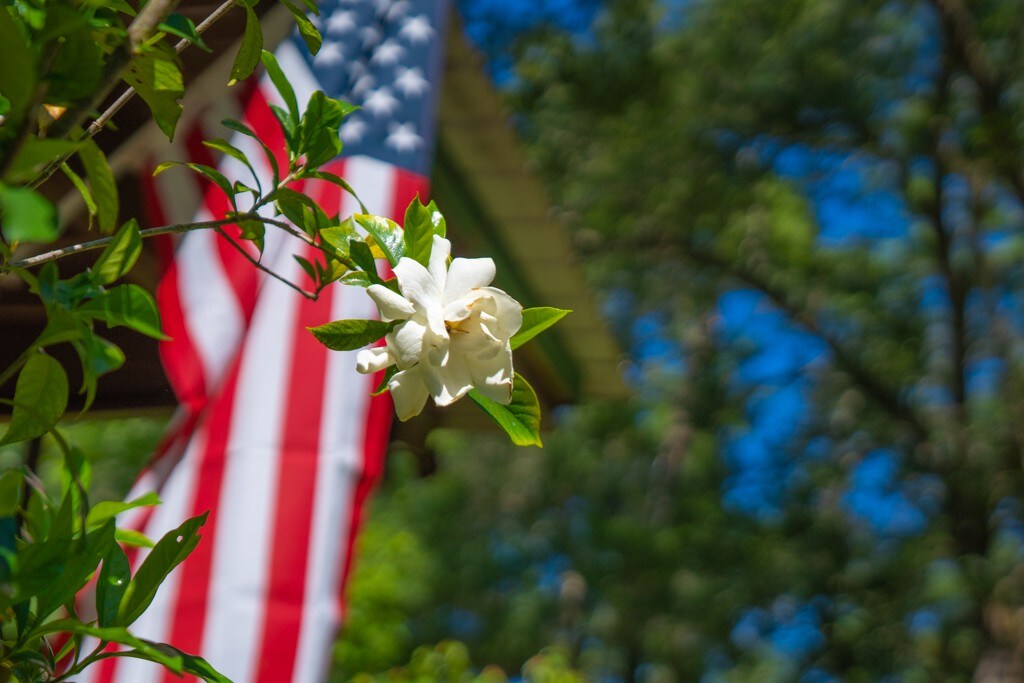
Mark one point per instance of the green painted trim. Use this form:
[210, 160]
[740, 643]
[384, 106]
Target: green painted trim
[464, 210]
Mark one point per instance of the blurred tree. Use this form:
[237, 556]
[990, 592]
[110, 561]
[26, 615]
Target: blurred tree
[807, 218]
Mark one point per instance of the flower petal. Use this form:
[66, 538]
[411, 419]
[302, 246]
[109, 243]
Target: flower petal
[373, 360]
[465, 274]
[437, 266]
[449, 382]
[422, 290]
[508, 311]
[493, 377]
[408, 392]
[391, 306]
[405, 343]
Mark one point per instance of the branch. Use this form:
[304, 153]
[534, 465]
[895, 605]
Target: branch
[259, 266]
[876, 389]
[139, 31]
[959, 29]
[63, 252]
[97, 125]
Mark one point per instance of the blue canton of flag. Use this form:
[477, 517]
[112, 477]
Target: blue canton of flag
[385, 56]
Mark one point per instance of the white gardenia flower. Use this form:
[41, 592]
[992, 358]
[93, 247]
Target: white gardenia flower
[454, 335]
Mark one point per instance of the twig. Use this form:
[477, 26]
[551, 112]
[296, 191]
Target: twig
[259, 266]
[104, 118]
[104, 241]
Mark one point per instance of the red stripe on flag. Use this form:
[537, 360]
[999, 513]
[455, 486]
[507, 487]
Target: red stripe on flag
[379, 412]
[188, 620]
[296, 493]
[407, 186]
[263, 122]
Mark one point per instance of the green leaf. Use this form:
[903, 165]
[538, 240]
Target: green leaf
[17, 68]
[382, 387]
[363, 257]
[126, 305]
[120, 255]
[5, 105]
[318, 138]
[40, 398]
[83, 189]
[535, 321]
[78, 560]
[521, 418]
[169, 657]
[167, 554]
[98, 357]
[208, 172]
[156, 77]
[348, 335]
[11, 482]
[183, 27]
[76, 72]
[34, 154]
[336, 180]
[26, 216]
[230, 150]
[418, 231]
[240, 127]
[103, 185]
[249, 52]
[280, 81]
[111, 585]
[386, 233]
[133, 538]
[306, 28]
[108, 509]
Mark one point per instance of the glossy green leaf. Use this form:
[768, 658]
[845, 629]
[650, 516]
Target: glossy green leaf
[348, 335]
[382, 386]
[306, 28]
[133, 538]
[103, 185]
[419, 229]
[126, 305]
[120, 255]
[318, 138]
[361, 255]
[249, 52]
[113, 581]
[386, 233]
[26, 216]
[79, 560]
[181, 26]
[83, 190]
[40, 398]
[167, 554]
[208, 172]
[225, 147]
[535, 321]
[98, 357]
[156, 77]
[240, 127]
[108, 509]
[280, 81]
[521, 418]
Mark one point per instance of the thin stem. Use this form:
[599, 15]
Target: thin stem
[104, 118]
[176, 228]
[259, 266]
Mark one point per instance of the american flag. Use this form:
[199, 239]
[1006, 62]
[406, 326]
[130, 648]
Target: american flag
[277, 437]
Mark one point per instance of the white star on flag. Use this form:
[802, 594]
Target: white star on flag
[331, 54]
[388, 53]
[403, 138]
[417, 30]
[352, 131]
[380, 102]
[411, 82]
[341, 23]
